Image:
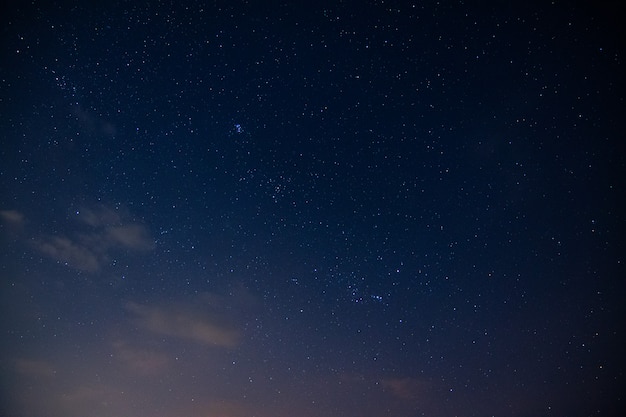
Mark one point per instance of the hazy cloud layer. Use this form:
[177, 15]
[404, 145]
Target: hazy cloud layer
[158, 361]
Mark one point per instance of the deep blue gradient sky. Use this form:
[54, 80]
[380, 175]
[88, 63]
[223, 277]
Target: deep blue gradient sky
[348, 208]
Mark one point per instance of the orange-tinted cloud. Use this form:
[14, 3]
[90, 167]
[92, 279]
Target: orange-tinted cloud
[34, 368]
[409, 389]
[140, 360]
[198, 322]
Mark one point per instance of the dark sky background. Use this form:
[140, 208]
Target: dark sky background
[348, 208]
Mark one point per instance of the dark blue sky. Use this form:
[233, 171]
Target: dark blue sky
[339, 209]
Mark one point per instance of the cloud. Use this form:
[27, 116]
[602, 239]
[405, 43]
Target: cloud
[200, 320]
[94, 123]
[219, 407]
[12, 217]
[13, 222]
[133, 236]
[409, 389]
[67, 251]
[97, 233]
[100, 216]
[34, 368]
[140, 360]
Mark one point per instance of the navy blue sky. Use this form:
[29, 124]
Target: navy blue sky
[337, 209]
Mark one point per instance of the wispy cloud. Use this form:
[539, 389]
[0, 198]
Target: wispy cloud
[132, 236]
[409, 389]
[140, 360]
[101, 216]
[94, 123]
[65, 250]
[96, 232]
[34, 368]
[12, 217]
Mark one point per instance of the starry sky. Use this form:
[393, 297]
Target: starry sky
[340, 208]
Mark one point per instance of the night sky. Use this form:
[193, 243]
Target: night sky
[348, 208]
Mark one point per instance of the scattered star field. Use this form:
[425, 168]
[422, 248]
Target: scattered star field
[342, 208]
